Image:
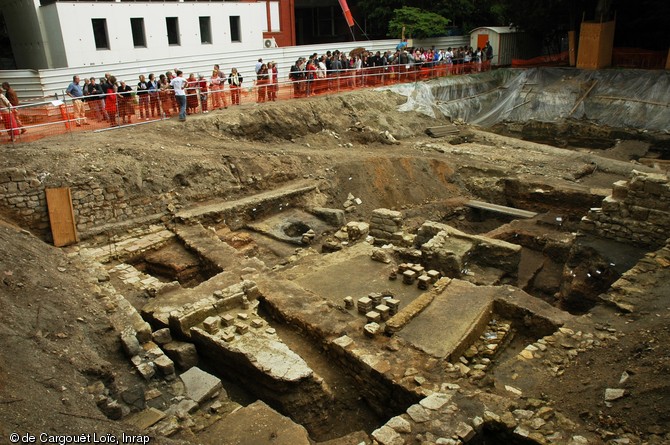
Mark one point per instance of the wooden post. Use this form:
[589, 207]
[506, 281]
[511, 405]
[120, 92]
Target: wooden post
[572, 43]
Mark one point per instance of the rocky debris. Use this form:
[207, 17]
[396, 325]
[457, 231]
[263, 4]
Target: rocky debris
[162, 336]
[381, 254]
[331, 244]
[476, 360]
[614, 394]
[351, 203]
[182, 353]
[308, 237]
[357, 230]
[371, 329]
[558, 350]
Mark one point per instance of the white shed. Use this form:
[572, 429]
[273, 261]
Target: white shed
[508, 43]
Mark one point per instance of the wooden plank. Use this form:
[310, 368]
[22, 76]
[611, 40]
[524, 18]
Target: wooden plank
[500, 209]
[61, 216]
[581, 99]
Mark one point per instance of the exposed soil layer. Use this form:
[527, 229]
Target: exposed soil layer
[55, 329]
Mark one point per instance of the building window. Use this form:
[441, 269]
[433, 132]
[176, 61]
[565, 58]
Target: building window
[205, 30]
[172, 24]
[100, 33]
[137, 27]
[325, 21]
[235, 28]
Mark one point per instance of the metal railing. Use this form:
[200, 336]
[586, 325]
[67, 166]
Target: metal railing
[34, 121]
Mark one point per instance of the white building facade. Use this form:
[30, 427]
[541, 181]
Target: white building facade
[55, 34]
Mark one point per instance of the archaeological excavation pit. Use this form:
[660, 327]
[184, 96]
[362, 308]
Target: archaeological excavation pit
[316, 280]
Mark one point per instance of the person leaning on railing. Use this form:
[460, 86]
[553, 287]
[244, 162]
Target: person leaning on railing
[143, 97]
[8, 117]
[154, 100]
[75, 91]
[262, 80]
[297, 76]
[235, 82]
[95, 100]
[111, 99]
[164, 93]
[13, 99]
[126, 103]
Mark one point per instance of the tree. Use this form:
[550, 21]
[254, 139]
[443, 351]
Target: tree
[418, 23]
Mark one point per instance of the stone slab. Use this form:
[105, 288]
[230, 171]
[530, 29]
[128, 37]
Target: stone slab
[200, 385]
[462, 307]
[146, 418]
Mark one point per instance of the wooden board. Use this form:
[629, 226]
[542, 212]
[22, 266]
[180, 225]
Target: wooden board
[500, 209]
[61, 216]
[596, 41]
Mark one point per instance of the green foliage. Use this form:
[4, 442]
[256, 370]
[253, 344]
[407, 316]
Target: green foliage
[418, 23]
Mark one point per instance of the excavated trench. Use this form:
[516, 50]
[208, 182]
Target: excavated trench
[557, 265]
[568, 272]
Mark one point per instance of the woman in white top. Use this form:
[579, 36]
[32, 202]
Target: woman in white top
[216, 88]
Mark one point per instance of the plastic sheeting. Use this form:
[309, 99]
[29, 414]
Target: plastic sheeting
[617, 98]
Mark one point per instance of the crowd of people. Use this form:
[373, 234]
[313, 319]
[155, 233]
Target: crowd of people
[117, 102]
[359, 65]
[171, 93]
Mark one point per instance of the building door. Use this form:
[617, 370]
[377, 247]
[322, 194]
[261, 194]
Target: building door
[481, 40]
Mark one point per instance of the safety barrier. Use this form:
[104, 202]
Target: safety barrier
[549, 60]
[621, 58]
[638, 58]
[34, 121]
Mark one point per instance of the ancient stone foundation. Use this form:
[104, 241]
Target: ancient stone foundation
[637, 212]
[95, 205]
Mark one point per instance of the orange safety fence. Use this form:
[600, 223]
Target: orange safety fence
[638, 58]
[621, 58]
[549, 60]
[29, 122]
